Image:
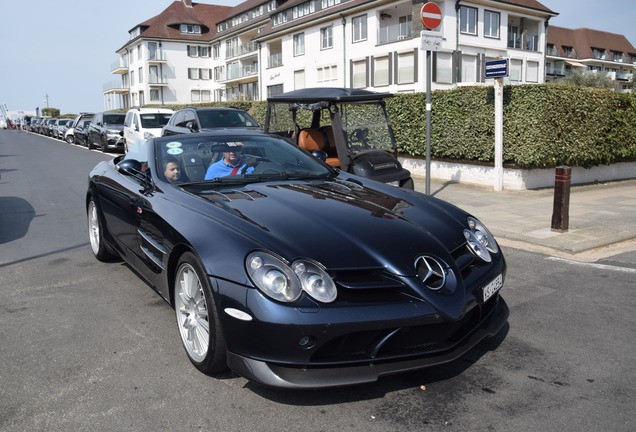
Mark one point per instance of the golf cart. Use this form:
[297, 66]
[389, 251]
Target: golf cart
[346, 128]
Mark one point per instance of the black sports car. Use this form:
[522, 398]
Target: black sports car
[290, 272]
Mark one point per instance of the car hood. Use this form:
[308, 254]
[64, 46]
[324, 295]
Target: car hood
[343, 225]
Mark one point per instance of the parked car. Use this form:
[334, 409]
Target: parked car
[189, 120]
[80, 134]
[347, 128]
[144, 123]
[61, 127]
[293, 273]
[82, 116]
[107, 131]
[50, 123]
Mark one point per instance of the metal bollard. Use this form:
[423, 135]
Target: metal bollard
[561, 208]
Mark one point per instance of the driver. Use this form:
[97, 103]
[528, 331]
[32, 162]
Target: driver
[233, 163]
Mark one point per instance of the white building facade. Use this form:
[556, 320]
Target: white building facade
[252, 51]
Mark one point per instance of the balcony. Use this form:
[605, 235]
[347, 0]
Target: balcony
[237, 73]
[157, 57]
[275, 60]
[243, 49]
[119, 67]
[394, 33]
[155, 81]
[624, 76]
[115, 87]
[555, 70]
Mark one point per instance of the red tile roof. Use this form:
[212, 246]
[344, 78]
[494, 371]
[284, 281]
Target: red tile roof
[584, 39]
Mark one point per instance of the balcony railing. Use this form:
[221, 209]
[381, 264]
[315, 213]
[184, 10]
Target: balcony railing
[242, 72]
[157, 56]
[120, 67]
[155, 80]
[115, 87]
[247, 48]
[275, 60]
[393, 33]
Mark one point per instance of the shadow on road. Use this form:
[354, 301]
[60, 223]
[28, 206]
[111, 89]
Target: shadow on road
[16, 215]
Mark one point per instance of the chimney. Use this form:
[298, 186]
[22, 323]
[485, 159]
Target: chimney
[187, 3]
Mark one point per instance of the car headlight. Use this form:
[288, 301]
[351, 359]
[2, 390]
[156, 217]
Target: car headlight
[480, 241]
[283, 282]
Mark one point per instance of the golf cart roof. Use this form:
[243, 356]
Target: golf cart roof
[328, 94]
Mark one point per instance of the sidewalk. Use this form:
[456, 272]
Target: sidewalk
[601, 215]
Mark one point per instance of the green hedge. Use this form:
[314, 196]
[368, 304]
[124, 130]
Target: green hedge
[544, 125]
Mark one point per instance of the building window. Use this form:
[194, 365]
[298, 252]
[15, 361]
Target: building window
[327, 73]
[491, 24]
[279, 18]
[218, 73]
[139, 52]
[515, 70]
[599, 53]
[329, 3]
[193, 73]
[359, 28]
[216, 50]
[326, 37]
[132, 78]
[141, 75]
[274, 90]
[299, 79]
[359, 77]
[532, 72]
[154, 95]
[381, 71]
[190, 29]
[198, 51]
[303, 9]
[469, 69]
[468, 20]
[405, 26]
[299, 44]
[204, 74]
[406, 68]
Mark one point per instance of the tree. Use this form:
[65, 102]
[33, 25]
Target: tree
[595, 80]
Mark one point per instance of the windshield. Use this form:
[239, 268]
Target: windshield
[155, 120]
[233, 159]
[220, 118]
[366, 127]
[114, 118]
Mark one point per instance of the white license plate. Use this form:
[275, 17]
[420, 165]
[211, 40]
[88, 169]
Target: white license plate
[492, 287]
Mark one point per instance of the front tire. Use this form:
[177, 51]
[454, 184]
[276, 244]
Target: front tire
[197, 320]
[96, 234]
[70, 139]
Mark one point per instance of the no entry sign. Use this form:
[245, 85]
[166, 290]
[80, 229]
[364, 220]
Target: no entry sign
[431, 15]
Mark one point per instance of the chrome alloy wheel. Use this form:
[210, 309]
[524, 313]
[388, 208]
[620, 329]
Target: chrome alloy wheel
[192, 313]
[93, 227]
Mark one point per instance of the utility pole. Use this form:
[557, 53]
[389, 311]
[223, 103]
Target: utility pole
[46, 99]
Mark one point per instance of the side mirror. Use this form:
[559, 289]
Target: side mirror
[130, 167]
[319, 154]
[192, 126]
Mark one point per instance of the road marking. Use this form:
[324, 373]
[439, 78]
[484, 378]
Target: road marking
[593, 265]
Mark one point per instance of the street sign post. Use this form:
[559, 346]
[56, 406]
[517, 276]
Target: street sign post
[431, 15]
[496, 68]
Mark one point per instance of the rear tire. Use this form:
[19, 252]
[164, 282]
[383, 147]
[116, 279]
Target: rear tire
[197, 319]
[96, 234]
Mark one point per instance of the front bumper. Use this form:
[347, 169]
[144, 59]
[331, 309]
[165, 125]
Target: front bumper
[285, 376]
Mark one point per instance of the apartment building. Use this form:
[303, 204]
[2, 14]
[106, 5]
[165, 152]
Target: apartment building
[196, 52]
[584, 50]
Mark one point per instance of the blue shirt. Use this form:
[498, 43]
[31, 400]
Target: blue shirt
[222, 169]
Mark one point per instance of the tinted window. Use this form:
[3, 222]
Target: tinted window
[114, 118]
[155, 120]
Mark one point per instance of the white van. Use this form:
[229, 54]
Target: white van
[144, 123]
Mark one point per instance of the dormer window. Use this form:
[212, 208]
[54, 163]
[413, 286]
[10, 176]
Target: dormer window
[190, 29]
[135, 32]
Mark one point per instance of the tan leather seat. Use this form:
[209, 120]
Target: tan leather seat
[314, 139]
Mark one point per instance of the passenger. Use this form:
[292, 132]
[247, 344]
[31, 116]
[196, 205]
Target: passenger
[233, 163]
[171, 170]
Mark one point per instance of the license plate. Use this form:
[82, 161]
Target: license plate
[492, 287]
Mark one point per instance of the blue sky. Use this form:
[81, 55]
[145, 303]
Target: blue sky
[65, 48]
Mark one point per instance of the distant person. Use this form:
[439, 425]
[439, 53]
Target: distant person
[27, 123]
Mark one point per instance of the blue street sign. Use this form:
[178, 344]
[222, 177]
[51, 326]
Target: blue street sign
[496, 68]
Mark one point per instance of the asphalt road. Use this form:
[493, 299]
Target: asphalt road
[88, 346]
